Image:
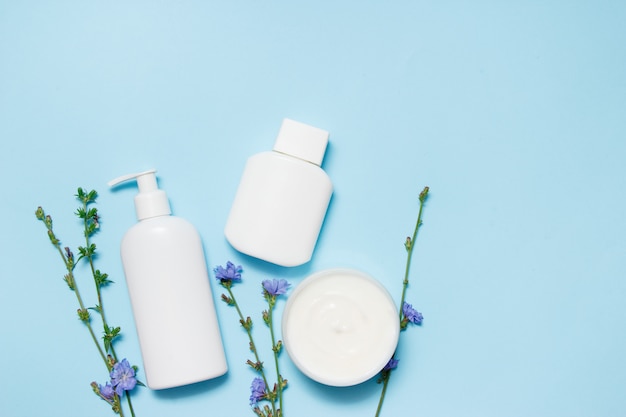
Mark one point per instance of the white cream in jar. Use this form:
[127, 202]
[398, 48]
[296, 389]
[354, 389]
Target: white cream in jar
[340, 327]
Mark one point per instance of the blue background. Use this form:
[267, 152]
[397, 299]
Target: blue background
[512, 113]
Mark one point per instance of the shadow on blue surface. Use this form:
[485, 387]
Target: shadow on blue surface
[364, 392]
[199, 388]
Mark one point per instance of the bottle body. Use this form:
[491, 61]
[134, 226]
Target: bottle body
[172, 302]
[279, 209]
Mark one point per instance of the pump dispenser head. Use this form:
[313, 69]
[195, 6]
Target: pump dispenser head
[150, 201]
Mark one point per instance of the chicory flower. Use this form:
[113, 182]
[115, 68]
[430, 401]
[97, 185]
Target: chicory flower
[106, 391]
[123, 377]
[411, 314]
[257, 390]
[230, 273]
[276, 286]
[392, 364]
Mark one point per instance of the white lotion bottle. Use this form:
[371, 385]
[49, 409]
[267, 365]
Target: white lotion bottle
[170, 292]
[282, 199]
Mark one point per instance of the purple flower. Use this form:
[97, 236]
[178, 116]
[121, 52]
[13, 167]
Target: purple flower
[123, 377]
[276, 286]
[257, 390]
[411, 314]
[230, 273]
[106, 391]
[392, 364]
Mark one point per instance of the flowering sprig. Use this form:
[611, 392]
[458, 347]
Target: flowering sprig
[259, 389]
[271, 290]
[121, 373]
[122, 379]
[408, 315]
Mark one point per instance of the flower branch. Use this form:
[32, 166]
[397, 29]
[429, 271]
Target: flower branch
[407, 314]
[122, 375]
[260, 388]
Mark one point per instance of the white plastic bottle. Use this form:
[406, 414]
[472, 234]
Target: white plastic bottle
[282, 198]
[170, 292]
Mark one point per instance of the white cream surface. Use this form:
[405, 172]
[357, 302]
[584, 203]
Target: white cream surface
[340, 327]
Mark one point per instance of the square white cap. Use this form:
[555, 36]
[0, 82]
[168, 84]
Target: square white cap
[302, 141]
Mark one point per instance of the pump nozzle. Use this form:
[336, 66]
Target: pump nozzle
[150, 202]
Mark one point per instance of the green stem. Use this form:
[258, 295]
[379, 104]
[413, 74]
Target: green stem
[405, 284]
[382, 394]
[105, 325]
[93, 274]
[279, 378]
[70, 264]
[130, 404]
[81, 304]
[250, 338]
[118, 400]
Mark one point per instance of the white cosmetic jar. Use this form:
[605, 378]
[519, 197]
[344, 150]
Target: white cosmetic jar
[340, 327]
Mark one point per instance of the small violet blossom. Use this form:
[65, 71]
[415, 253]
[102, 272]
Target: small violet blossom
[106, 391]
[276, 286]
[123, 377]
[411, 314]
[230, 273]
[392, 364]
[257, 390]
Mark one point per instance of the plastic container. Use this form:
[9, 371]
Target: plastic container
[170, 293]
[340, 327]
[282, 199]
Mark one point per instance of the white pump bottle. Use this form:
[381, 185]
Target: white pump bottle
[170, 292]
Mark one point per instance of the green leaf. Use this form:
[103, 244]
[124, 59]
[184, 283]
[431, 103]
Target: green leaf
[53, 238]
[247, 324]
[92, 196]
[96, 308]
[80, 193]
[80, 212]
[109, 335]
[255, 365]
[69, 280]
[101, 279]
[83, 315]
